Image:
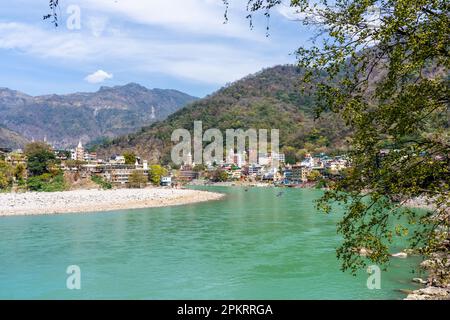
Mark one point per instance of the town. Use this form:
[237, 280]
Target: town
[80, 167]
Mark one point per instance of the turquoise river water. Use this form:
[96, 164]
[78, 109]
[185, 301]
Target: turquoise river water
[250, 245]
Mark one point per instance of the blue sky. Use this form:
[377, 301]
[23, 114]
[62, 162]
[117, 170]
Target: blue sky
[176, 44]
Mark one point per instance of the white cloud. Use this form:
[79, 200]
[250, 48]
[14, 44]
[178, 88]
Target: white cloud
[201, 17]
[97, 25]
[98, 76]
[203, 60]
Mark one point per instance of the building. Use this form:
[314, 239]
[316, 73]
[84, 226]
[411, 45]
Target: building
[239, 159]
[230, 156]
[255, 170]
[166, 181]
[234, 174]
[90, 156]
[263, 159]
[79, 152]
[280, 157]
[119, 174]
[16, 158]
[252, 156]
[186, 175]
[300, 173]
[117, 160]
[308, 161]
[189, 159]
[287, 175]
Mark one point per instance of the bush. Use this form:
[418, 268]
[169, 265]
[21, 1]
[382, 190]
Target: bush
[6, 174]
[137, 179]
[47, 183]
[101, 182]
[219, 175]
[156, 172]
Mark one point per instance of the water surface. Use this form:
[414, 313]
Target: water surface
[251, 245]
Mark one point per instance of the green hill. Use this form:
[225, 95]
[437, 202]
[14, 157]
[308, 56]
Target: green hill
[269, 99]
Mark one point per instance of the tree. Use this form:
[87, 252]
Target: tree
[219, 175]
[40, 158]
[20, 172]
[6, 174]
[383, 66]
[130, 158]
[290, 154]
[137, 179]
[314, 175]
[156, 172]
[101, 182]
[199, 167]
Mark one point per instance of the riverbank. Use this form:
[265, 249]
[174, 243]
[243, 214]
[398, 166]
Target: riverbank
[77, 201]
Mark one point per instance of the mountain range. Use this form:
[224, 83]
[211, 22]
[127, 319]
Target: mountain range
[63, 120]
[10, 139]
[269, 99]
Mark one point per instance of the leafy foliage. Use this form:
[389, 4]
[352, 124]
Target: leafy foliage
[40, 158]
[219, 175]
[130, 158]
[6, 175]
[156, 172]
[101, 182]
[137, 179]
[47, 183]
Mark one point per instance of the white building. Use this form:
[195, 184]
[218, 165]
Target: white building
[79, 152]
[308, 161]
[254, 170]
[230, 156]
[280, 157]
[263, 159]
[189, 159]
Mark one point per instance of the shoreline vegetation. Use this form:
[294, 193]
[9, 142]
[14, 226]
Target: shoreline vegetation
[85, 201]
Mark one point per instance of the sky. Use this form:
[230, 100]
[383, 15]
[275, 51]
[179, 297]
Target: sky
[169, 44]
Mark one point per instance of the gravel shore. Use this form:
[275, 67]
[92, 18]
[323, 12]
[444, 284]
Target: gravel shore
[34, 203]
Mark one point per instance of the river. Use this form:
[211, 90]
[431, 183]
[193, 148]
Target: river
[250, 245]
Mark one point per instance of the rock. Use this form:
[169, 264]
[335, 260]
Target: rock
[414, 296]
[419, 280]
[434, 291]
[364, 252]
[426, 264]
[400, 255]
[430, 293]
[406, 291]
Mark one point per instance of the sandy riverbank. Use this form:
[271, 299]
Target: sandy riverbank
[34, 203]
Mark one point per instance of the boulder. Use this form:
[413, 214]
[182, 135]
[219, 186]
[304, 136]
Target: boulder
[364, 252]
[419, 280]
[400, 255]
[434, 291]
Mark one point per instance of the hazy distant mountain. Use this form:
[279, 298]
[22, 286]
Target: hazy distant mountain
[11, 139]
[111, 111]
[270, 99]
